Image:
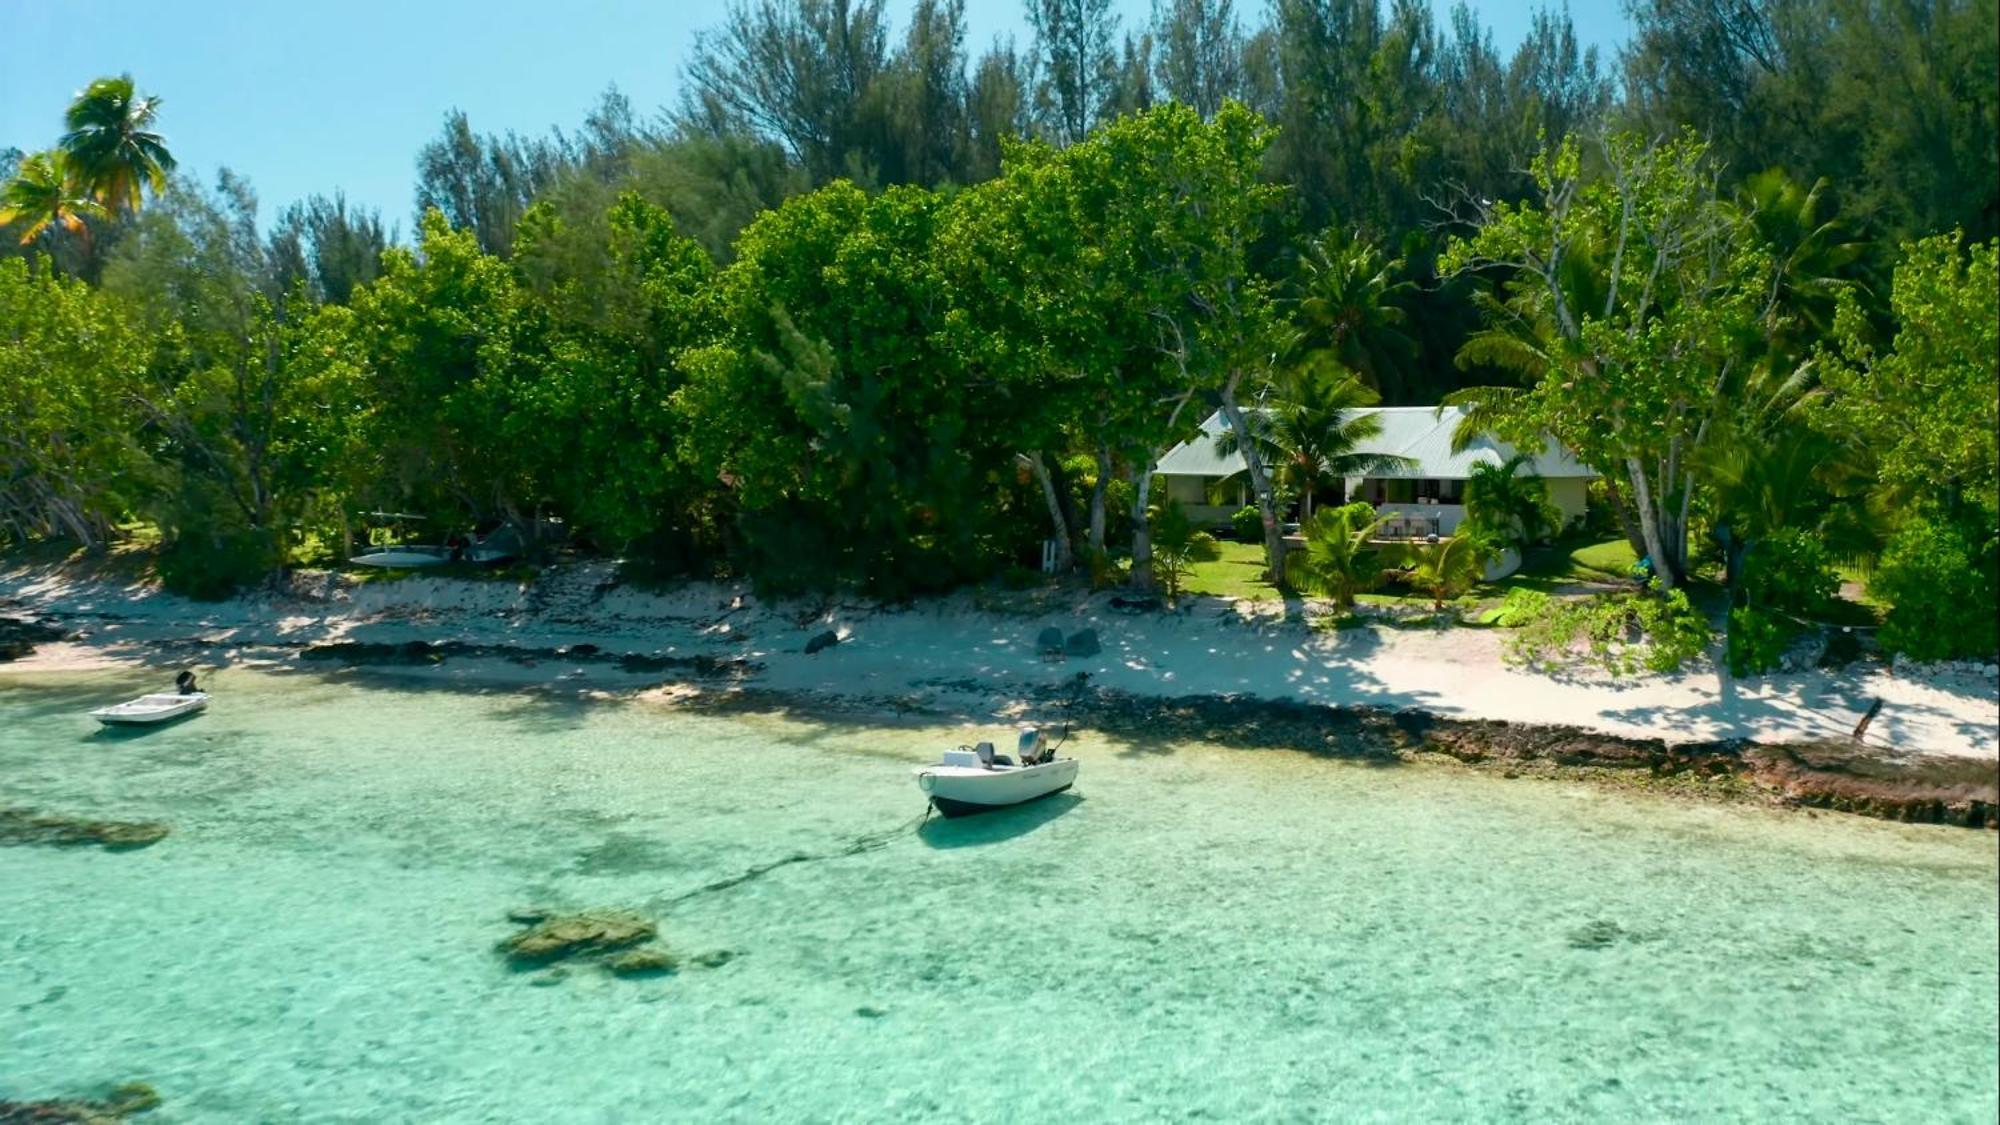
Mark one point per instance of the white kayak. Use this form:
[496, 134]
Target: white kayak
[974, 780]
[156, 708]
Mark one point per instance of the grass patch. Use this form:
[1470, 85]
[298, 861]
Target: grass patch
[1237, 573]
[1570, 561]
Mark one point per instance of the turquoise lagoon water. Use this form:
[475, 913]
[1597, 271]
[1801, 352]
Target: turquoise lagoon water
[1198, 933]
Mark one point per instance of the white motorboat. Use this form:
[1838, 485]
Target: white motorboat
[158, 707]
[973, 779]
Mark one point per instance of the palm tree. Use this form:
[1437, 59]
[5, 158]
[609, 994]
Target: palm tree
[1814, 256]
[1450, 567]
[1178, 545]
[1339, 563]
[111, 145]
[1311, 430]
[42, 195]
[1500, 499]
[1348, 310]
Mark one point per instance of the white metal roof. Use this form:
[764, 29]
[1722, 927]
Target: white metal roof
[1420, 433]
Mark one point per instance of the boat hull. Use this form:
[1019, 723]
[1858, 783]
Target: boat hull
[948, 807]
[152, 709]
[403, 558]
[962, 791]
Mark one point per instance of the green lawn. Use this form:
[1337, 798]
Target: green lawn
[1575, 560]
[1570, 561]
[1239, 573]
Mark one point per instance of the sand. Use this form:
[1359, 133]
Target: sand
[976, 654]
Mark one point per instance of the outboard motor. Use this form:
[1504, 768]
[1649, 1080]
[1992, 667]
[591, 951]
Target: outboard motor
[185, 682]
[1033, 747]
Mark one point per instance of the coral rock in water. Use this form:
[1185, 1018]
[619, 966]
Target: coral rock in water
[25, 826]
[131, 1098]
[641, 963]
[570, 935]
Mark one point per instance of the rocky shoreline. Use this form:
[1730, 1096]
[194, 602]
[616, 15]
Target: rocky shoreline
[1848, 778]
[1145, 678]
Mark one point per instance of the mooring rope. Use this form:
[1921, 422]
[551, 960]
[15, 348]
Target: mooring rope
[866, 842]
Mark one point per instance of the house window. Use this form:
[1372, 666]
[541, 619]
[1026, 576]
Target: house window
[1399, 491]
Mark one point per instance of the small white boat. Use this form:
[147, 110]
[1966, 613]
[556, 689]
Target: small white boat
[158, 707]
[973, 779]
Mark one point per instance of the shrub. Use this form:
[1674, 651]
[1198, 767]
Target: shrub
[1757, 640]
[1790, 570]
[211, 564]
[1447, 569]
[1018, 577]
[1177, 546]
[1621, 633]
[1940, 589]
[1338, 562]
[1520, 607]
[1248, 524]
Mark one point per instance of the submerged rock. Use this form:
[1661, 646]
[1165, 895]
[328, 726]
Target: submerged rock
[126, 1100]
[824, 640]
[642, 962]
[1595, 935]
[563, 936]
[25, 826]
[714, 958]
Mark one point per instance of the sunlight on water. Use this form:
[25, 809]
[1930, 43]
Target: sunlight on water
[1194, 933]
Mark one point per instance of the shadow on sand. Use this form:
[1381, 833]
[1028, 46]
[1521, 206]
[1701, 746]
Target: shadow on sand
[997, 826]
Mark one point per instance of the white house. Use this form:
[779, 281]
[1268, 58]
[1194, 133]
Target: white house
[1425, 498]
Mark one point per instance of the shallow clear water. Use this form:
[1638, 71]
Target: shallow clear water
[1196, 933]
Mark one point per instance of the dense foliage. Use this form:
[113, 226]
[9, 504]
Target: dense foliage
[1620, 634]
[866, 308]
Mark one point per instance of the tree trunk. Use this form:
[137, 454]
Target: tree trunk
[1650, 526]
[1097, 492]
[1040, 468]
[1142, 529]
[1260, 484]
[1626, 522]
[1066, 500]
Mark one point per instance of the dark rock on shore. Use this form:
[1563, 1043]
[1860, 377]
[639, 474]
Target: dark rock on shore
[126, 1100]
[1083, 642]
[25, 826]
[20, 635]
[423, 653]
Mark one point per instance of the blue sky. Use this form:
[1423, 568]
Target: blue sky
[313, 97]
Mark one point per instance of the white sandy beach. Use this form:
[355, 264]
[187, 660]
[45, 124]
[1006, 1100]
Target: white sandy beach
[953, 655]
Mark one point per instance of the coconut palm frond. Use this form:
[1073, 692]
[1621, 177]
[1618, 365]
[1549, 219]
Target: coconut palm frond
[1484, 408]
